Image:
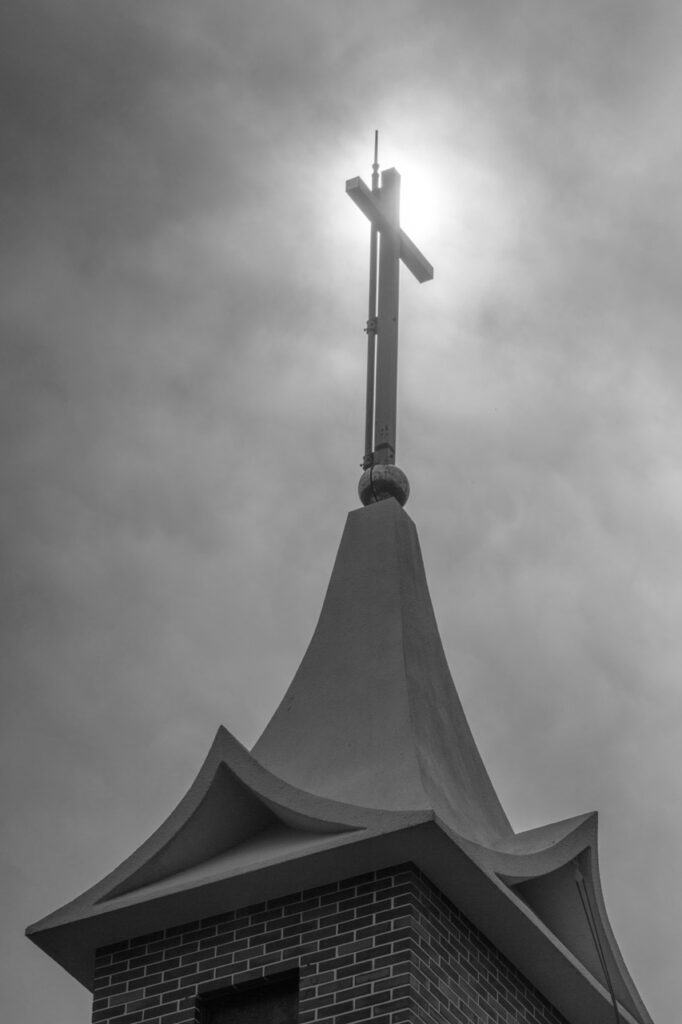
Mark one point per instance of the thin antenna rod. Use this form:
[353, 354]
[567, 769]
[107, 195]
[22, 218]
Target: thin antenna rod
[371, 328]
[375, 165]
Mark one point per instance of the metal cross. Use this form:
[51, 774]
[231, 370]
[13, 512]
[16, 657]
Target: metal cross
[382, 208]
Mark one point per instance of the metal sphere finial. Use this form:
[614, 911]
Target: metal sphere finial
[383, 481]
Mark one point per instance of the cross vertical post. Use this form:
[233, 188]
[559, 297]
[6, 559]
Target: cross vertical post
[387, 340]
[371, 327]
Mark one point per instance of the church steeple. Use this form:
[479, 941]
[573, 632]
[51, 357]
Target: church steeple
[358, 858]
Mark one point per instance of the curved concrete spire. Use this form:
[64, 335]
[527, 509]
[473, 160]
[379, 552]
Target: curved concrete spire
[372, 716]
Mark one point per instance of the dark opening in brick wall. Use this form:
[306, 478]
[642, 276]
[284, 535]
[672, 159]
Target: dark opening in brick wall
[271, 1001]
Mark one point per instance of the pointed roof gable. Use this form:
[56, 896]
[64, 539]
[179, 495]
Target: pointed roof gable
[372, 716]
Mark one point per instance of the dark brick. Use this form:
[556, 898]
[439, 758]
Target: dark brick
[385, 948]
[371, 1000]
[378, 975]
[282, 901]
[264, 960]
[111, 1014]
[371, 930]
[277, 944]
[329, 915]
[303, 904]
[140, 940]
[373, 952]
[393, 982]
[383, 906]
[217, 919]
[349, 1018]
[179, 948]
[153, 978]
[199, 933]
[137, 972]
[301, 928]
[171, 996]
[302, 951]
[352, 901]
[375, 885]
[115, 947]
[179, 1017]
[111, 990]
[145, 958]
[238, 945]
[352, 970]
[246, 933]
[193, 958]
[246, 976]
[316, 1001]
[254, 908]
[357, 880]
[181, 929]
[143, 1004]
[162, 987]
[323, 890]
[126, 997]
[217, 961]
[223, 972]
[342, 1005]
[331, 987]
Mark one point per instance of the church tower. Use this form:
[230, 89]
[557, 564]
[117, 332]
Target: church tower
[357, 864]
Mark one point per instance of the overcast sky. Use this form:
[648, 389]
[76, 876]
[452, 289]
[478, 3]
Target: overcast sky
[183, 291]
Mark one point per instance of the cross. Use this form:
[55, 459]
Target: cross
[382, 208]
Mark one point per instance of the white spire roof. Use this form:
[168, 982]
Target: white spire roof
[372, 716]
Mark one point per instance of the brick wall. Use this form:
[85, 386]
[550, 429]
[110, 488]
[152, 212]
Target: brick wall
[386, 947]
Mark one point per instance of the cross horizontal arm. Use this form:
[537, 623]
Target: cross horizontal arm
[414, 260]
[370, 204]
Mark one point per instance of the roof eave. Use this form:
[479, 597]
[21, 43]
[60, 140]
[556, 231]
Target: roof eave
[482, 897]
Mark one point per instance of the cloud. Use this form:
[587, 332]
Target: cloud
[182, 302]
